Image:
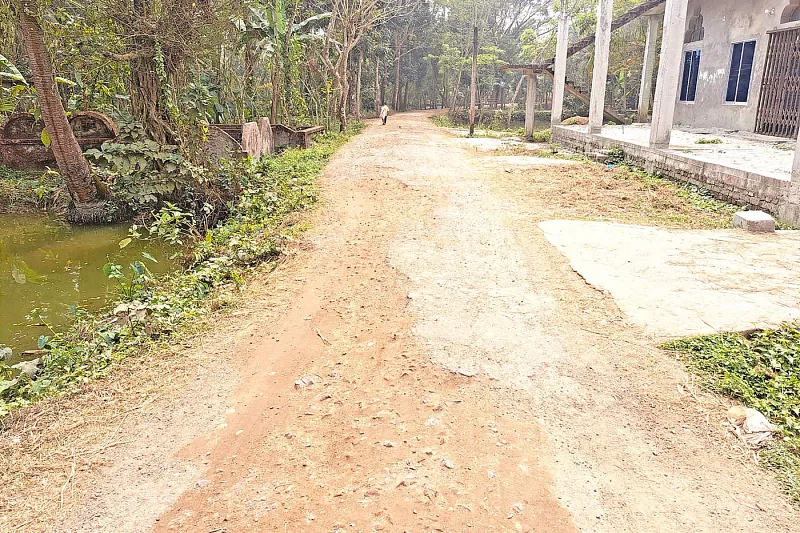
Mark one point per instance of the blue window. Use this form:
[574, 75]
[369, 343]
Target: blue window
[741, 72]
[691, 68]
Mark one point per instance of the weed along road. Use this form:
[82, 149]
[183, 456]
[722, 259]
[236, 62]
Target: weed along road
[425, 360]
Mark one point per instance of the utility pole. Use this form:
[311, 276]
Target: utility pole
[474, 85]
[358, 84]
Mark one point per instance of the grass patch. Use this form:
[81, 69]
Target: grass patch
[708, 140]
[541, 136]
[152, 311]
[688, 199]
[761, 371]
[443, 121]
[496, 120]
[26, 191]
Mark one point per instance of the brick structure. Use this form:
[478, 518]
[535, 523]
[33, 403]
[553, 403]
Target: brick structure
[21, 144]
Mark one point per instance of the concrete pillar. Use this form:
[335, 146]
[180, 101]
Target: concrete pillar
[796, 166]
[560, 76]
[669, 73]
[602, 45]
[530, 103]
[789, 209]
[646, 90]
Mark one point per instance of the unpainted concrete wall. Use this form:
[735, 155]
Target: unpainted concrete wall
[780, 198]
[727, 22]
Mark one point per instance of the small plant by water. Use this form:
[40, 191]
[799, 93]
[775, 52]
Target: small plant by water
[25, 191]
[762, 371]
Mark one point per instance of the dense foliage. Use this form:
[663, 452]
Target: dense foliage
[167, 70]
[297, 61]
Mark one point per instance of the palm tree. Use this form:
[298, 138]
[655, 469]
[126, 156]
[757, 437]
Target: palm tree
[87, 201]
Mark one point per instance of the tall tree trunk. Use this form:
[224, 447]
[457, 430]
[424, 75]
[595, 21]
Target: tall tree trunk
[378, 101]
[343, 95]
[435, 71]
[146, 94]
[397, 60]
[456, 85]
[147, 103]
[276, 93]
[514, 100]
[358, 85]
[474, 82]
[443, 92]
[249, 65]
[383, 90]
[82, 186]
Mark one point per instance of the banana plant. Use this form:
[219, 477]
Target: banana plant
[9, 96]
[268, 34]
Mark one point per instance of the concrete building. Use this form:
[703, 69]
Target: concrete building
[729, 40]
[724, 66]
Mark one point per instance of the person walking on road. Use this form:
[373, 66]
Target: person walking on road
[384, 113]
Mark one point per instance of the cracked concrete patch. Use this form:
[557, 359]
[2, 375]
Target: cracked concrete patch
[677, 283]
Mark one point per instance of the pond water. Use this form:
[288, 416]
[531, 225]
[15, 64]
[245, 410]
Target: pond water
[48, 267]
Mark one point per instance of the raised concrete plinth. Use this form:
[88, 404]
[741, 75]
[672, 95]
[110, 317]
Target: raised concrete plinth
[757, 221]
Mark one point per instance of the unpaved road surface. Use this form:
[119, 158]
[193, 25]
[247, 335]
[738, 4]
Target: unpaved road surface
[459, 376]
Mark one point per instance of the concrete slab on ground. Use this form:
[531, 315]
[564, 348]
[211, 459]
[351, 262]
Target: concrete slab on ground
[491, 141]
[754, 221]
[677, 283]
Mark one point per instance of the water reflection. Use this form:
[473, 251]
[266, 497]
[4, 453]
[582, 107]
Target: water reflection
[48, 267]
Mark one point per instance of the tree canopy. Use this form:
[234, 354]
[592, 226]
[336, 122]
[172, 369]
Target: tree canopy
[165, 70]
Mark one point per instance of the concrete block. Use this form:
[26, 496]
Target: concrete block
[754, 221]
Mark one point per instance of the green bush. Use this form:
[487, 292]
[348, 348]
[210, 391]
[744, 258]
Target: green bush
[542, 136]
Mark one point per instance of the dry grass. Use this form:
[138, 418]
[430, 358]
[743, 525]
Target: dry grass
[591, 191]
[51, 447]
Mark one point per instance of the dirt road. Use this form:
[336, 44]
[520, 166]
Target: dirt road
[426, 361]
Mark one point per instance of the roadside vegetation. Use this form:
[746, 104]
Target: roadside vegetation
[614, 192]
[708, 140]
[497, 123]
[761, 370]
[22, 192]
[151, 310]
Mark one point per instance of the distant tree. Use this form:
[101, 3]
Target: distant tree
[350, 21]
